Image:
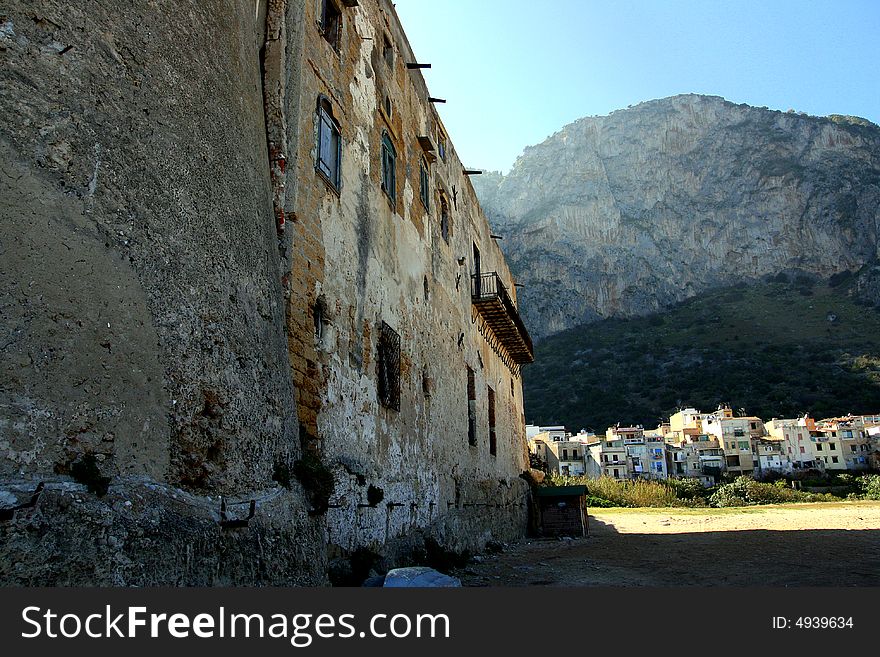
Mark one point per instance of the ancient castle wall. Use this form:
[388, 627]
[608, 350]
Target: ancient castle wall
[142, 301]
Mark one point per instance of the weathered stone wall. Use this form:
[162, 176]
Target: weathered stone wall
[141, 299]
[364, 260]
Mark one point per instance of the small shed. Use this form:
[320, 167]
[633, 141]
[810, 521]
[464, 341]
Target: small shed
[562, 510]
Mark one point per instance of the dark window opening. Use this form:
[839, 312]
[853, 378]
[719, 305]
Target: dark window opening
[425, 284]
[477, 271]
[472, 407]
[331, 22]
[388, 367]
[388, 107]
[427, 383]
[444, 218]
[424, 184]
[389, 163]
[318, 317]
[493, 442]
[441, 143]
[387, 50]
[329, 144]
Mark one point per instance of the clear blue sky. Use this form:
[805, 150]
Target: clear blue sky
[516, 71]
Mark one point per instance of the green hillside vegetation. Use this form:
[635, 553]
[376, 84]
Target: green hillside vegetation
[777, 349]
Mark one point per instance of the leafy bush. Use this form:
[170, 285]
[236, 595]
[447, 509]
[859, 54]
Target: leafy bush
[869, 486]
[744, 491]
[688, 488]
[600, 502]
[630, 493]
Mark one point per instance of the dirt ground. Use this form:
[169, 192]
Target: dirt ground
[774, 545]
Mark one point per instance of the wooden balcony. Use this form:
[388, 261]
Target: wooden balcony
[490, 298]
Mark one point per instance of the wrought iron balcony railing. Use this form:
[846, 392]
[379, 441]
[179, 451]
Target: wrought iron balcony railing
[491, 299]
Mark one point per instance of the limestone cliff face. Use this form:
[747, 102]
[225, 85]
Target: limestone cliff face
[624, 214]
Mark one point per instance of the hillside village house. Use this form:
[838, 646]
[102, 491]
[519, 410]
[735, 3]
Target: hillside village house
[735, 436]
[795, 438]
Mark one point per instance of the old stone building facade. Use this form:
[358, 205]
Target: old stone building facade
[234, 237]
[390, 354]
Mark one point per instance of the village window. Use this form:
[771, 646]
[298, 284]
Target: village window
[802, 449]
[819, 447]
[331, 22]
[329, 143]
[616, 473]
[388, 367]
[832, 447]
[565, 455]
[493, 443]
[472, 407]
[424, 184]
[389, 163]
[834, 459]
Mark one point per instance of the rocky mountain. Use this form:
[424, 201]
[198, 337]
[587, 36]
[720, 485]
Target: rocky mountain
[626, 214]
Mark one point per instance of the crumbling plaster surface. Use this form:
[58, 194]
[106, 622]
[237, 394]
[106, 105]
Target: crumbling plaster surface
[140, 296]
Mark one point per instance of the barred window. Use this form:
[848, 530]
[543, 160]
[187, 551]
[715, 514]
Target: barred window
[389, 162]
[329, 143]
[388, 367]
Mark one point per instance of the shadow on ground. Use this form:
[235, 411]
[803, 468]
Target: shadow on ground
[810, 557]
